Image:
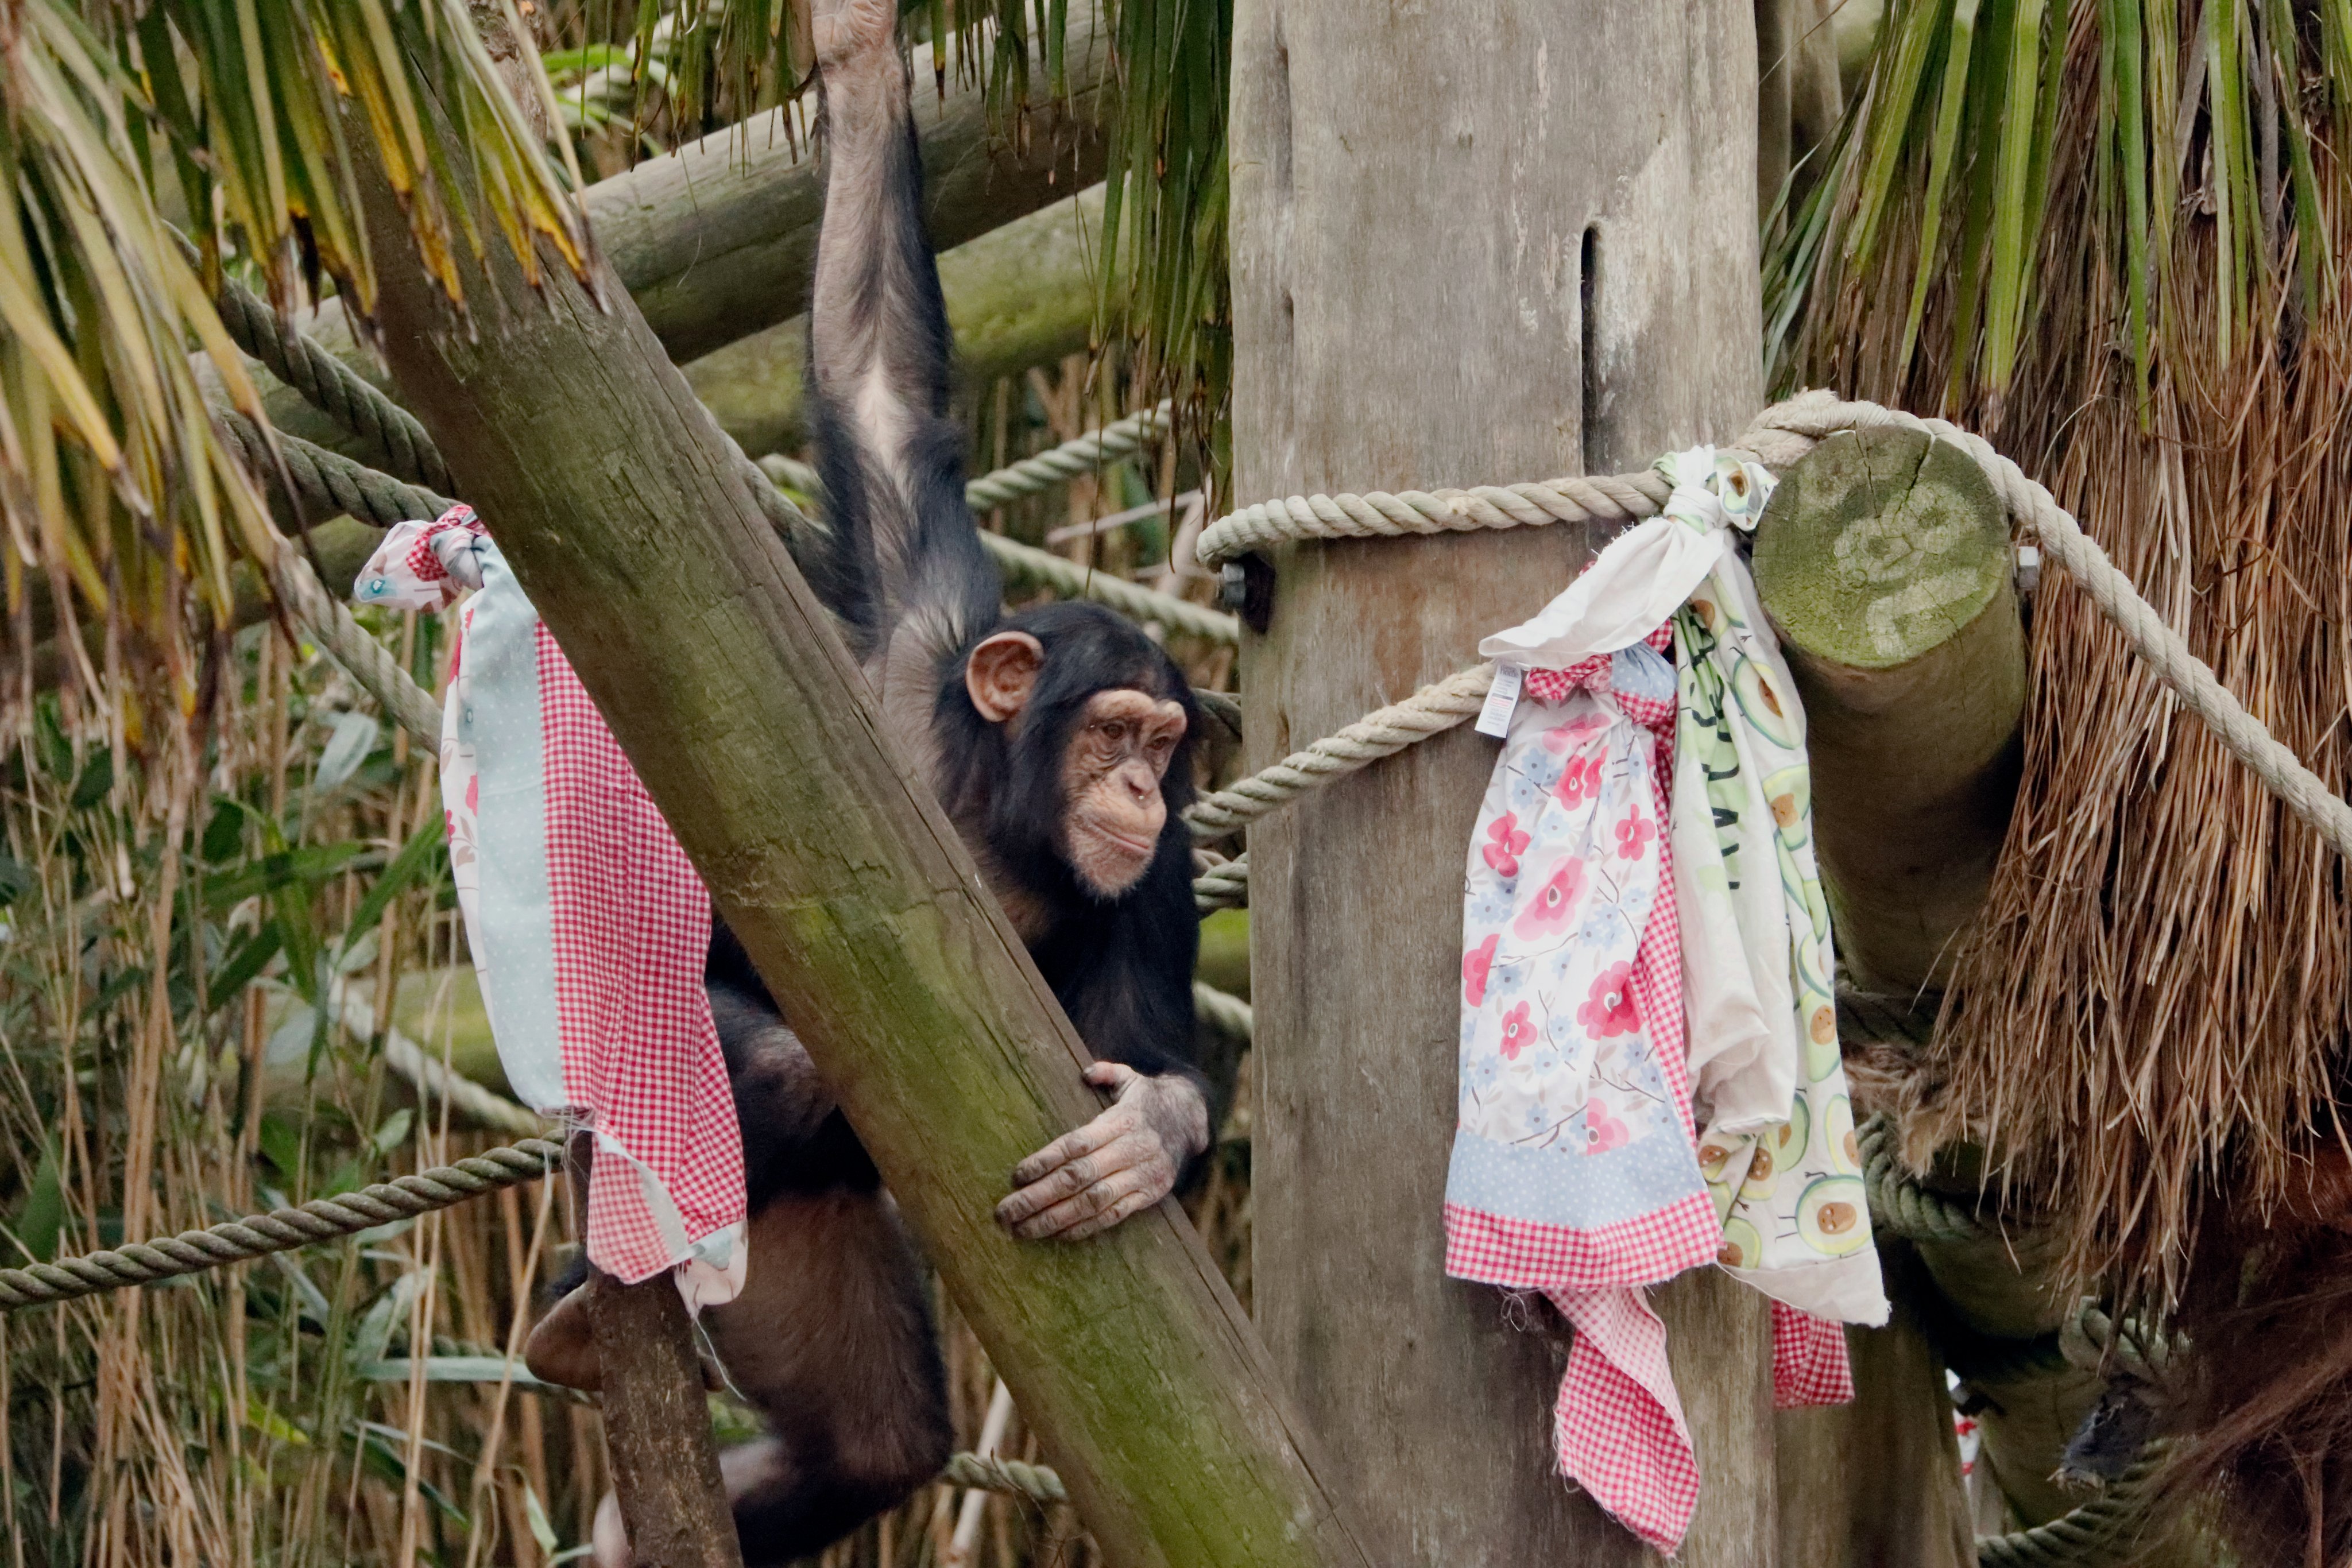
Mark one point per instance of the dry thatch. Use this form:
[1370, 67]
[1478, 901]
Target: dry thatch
[2146, 1031]
[2153, 1008]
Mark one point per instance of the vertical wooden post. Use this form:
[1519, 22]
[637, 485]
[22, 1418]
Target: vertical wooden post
[1481, 242]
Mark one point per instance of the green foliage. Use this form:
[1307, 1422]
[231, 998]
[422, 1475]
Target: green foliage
[1942, 182]
[244, 118]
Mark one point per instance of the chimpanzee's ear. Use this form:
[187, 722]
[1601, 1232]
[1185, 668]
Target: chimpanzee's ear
[1001, 673]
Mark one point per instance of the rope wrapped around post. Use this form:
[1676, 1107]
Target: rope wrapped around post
[1429, 711]
[258, 1235]
[1781, 435]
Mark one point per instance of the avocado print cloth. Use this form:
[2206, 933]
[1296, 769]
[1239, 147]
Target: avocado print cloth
[1650, 1079]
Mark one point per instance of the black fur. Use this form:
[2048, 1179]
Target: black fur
[901, 566]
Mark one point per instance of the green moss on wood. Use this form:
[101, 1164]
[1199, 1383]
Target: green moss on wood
[1880, 545]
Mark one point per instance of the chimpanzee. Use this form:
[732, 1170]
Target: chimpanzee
[1059, 742]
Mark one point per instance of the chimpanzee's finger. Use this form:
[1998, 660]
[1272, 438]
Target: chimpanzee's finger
[1097, 1134]
[1065, 1218]
[1124, 1209]
[1062, 1181]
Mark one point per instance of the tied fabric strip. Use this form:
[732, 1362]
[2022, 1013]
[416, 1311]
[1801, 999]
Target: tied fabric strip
[588, 924]
[1573, 1170]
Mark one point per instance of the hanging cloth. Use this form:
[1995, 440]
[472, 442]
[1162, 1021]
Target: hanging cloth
[1577, 1171]
[588, 924]
[1574, 1172]
[1777, 1141]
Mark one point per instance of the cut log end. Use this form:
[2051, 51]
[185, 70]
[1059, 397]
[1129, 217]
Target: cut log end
[1884, 560]
[1879, 546]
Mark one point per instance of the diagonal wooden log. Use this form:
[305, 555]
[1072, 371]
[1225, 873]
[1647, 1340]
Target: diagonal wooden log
[617, 500]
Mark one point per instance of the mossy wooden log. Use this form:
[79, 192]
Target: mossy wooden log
[1885, 560]
[715, 240]
[611, 491]
[1021, 296]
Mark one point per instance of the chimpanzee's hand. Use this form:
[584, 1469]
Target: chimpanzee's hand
[1122, 1163]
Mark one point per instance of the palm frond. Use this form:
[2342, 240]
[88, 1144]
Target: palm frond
[112, 478]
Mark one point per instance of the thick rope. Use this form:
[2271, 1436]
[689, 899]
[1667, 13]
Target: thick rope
[374, 667]
[1222, 886]
[328, 484]
[1026, 563]
[1429, 711]
[331, 386]
[2104, 1531]
[1059, 465]
[1901, 1207]
[1613, 499]
[988, 1473]
[1224, 1010]
[258, 1235]
[1780, 435]
[1023, 563]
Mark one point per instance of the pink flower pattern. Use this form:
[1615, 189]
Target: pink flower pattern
[1603, 1132]
[1609, 1010]
[1578, 781]
[1552, 1033]
[1475, 965]
[1510, 844]
[1518, 1032]
[1548, 911]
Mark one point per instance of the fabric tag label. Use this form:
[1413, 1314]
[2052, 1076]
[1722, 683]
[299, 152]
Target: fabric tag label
[1502, 698]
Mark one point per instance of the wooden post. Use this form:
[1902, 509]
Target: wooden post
[1471, 243]
[658, 1426]
[612, 494]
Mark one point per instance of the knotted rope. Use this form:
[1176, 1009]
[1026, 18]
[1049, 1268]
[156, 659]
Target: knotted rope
[258, 1235]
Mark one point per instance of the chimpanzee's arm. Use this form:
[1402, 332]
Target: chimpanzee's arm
[902, 547]
[1127, 983]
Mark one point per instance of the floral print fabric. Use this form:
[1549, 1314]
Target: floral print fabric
[1642, 866]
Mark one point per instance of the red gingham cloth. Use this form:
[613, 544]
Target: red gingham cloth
[602, 926]
[631, 931]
